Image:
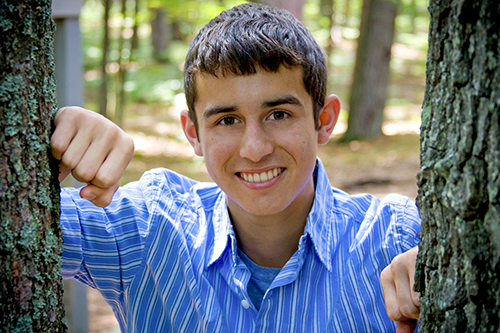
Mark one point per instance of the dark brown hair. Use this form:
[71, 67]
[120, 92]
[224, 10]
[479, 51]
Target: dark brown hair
[249, 36]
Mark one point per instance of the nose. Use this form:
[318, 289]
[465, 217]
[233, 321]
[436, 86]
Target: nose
[256, 144]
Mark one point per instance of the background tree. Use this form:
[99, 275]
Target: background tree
[103, 97]
[458, 270]
[30, 281]
[125, 48]
[326, 10]
[371, 72]
[293, 6]
[160, 32]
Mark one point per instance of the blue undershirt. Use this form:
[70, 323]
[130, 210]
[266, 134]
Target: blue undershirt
[260, 279]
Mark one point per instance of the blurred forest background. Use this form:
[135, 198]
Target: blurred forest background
[133, 60]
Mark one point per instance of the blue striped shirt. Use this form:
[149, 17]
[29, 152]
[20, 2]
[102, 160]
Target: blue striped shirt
[164, 256]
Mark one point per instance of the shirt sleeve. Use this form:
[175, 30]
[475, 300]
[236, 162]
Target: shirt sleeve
[404, 223]
[103, 247]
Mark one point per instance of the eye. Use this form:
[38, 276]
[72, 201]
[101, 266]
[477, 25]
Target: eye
[278, 115]
[228, 121]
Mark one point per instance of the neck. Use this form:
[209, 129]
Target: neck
[271, 240]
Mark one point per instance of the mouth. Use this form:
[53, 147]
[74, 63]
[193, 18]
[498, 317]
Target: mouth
[261, 177]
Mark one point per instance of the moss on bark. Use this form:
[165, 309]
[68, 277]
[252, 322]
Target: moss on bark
[30, 242]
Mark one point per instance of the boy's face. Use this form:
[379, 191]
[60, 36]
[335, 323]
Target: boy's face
[257, 135]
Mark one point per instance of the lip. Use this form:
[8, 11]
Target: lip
[260, 185]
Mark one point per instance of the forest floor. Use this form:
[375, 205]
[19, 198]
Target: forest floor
[384, 165]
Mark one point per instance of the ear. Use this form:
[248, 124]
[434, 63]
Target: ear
[328, 117]
[190, 132]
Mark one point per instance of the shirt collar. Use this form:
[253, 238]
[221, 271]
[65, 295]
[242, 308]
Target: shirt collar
[318, 227]
[222, 229]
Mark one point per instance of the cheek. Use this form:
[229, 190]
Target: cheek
[217, 152]
[301, 141]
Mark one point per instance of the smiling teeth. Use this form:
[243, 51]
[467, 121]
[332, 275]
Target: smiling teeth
[261, 177]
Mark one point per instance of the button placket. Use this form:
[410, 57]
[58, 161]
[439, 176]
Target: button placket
[245, 304]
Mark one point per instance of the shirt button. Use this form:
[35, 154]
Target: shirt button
[245, 304]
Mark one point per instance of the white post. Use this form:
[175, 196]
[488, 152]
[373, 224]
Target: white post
[69, 91]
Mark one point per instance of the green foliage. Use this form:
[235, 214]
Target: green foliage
[194, 12]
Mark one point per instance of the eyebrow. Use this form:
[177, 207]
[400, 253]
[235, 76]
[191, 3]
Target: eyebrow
[214, 110]
[287, 99]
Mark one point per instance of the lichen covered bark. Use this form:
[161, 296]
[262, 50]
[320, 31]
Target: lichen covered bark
[458, 270]
[30, 242]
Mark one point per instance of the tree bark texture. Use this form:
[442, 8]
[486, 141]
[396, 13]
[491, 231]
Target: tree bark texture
[30, 244]
[458, 270]
[371, 72]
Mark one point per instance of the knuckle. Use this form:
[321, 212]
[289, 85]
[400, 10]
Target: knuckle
[416, 298]
[407, 310]
[104, 180]
[69, 161]
[69, 113]
[398, 263]
[385, 275]
[107, 127]
[130, 145]
[84, 174]
[385, 281]
[57, 146]
[394, 314]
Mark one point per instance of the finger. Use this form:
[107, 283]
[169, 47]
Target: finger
[390, 295]
[403, 269]
[101, 197]
[403, 289]
[114, 165]
[62, 136]
[415, 296]
[76, 149]
[89, 164]
[407, 326]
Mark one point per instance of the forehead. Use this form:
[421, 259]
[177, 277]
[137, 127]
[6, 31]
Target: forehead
[249, 90]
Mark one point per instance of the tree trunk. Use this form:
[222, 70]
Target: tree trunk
[103, 102]
[30, 245]
[135, 36]
[458, 270]
[125, 52]
[293, 6]
[371, 72]
[160, 33]
[326, 10]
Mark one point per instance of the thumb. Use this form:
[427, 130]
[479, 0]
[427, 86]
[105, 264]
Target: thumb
[101, 197]
[406, 326]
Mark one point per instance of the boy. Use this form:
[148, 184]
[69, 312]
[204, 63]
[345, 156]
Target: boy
[271, 246]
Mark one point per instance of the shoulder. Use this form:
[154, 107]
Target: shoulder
[161, 183]
[394, 219]
[368, 206]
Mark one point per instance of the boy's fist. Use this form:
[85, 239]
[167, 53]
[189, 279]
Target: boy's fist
[93, 149]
